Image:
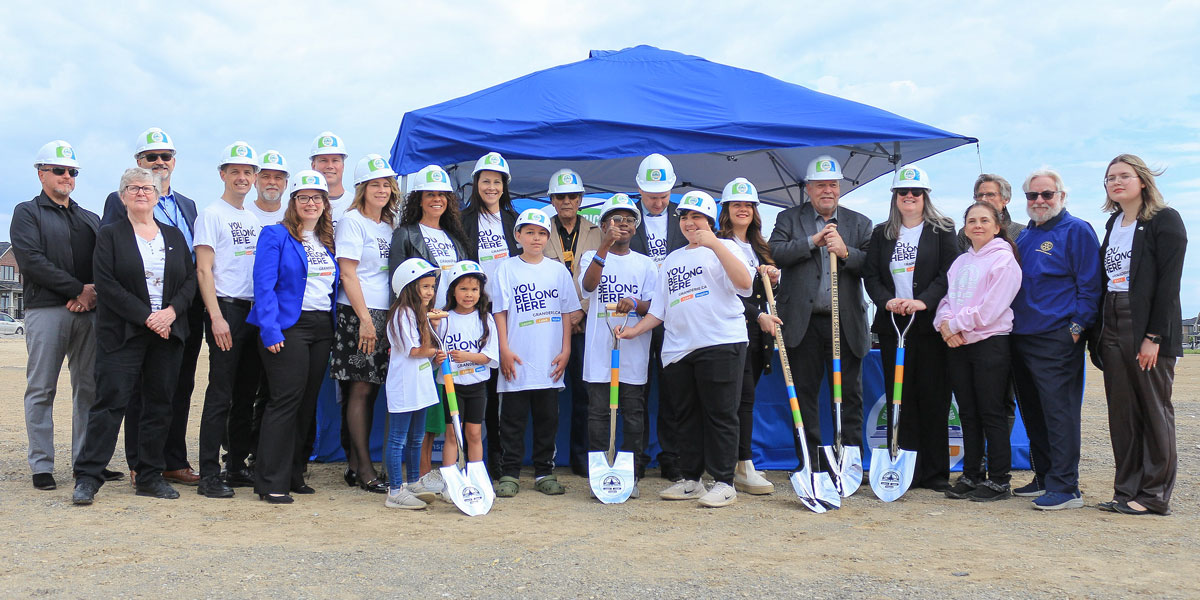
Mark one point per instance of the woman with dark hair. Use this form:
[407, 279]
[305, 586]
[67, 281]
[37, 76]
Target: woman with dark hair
[905, 275]
[1142, 253]
[739, 221]
[975, 319]
[295, 283]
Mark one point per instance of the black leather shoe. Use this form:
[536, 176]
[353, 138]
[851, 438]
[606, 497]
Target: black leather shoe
[243, 477]
[350, 476]
[374, 485]
[273, 499]
[44, 481]
[213, 487]
[156, 488]
[303, 488]
[85, 491]
[110, 475]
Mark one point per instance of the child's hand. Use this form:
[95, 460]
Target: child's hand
[438, 357]
[626, 305]
[559, 365]
[457, 356]
[508, 362]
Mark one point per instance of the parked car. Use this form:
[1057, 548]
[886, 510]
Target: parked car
[10, 325]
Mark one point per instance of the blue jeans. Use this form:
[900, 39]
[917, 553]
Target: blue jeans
[405, 433]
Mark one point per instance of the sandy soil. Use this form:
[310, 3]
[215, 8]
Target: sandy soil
[342, 542]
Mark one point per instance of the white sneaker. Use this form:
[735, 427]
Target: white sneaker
[403, 498]
[635, 493]
[746, 479]
[428, 486]
[721, 494]
[688, 489]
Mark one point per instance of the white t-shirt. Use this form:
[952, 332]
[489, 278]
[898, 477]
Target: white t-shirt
[265, 218]
[633, 275]
[1117, 255]
[444, 256]
[535, 296]
[409, 380]
[493, 249]
[904, 260]
[462, 332]
[232, 233]
[697, 302]
[359, 238]
[319, 286]
[747, 253]
[154, 263]
[339, 206]
[656, 236]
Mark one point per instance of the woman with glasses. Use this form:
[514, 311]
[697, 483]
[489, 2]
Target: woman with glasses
[1142, 258]
[295, 283]
[905, 275]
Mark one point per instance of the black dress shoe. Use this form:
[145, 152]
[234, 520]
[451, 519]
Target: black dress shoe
[213, 487]
[1125, 509]
[44, 481]
[303, 488]
[350, 476]
[243, 477]
[156, 488]
[273, 499]
[85, 491]
[374, 485]
[110, 475]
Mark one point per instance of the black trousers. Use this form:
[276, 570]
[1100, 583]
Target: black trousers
[150, 363]
[980, 375]
[175, 454]
[491, 424]
[667, 422]
[1048, 370]
[925, 407]
[706, 384]
[809, 359]
[579, 403]
[245, 423]
[233, 377]
[631, 404]
[515, 410]
[755, 360]
[295, 374]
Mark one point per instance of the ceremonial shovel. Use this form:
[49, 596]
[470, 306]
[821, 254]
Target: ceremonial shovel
[611, 473]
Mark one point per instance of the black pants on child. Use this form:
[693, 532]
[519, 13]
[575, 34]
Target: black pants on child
[706, 385]
[515, 410]
[979, 373]
[631, 402]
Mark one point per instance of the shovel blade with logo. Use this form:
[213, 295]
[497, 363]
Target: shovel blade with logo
[892, 468]
[611, 473]
[471, 491]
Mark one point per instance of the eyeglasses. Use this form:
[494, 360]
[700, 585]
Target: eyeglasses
[914, 192]
[136, 189]
[1122, 178]
[986, 195]
[152, 157]
[1046, 195]
[622, 220]
[575, 196]
[60, 171]
[314, 199]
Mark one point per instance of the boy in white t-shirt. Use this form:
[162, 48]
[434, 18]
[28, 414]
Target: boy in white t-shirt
[614, 274]
[536, 299]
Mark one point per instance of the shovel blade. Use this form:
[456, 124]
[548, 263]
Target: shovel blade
[849, 470]
[612, 484]
[826, 491]
[891, 478]
[802, 482]
[470, 491]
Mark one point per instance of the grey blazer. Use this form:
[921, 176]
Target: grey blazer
[802, 271]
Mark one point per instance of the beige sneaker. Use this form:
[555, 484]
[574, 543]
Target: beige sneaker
[721, 494]
[403, 498]
[746, 479]
[688, 489]
[428, 486]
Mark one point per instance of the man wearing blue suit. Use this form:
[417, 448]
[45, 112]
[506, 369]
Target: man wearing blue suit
[156, 152]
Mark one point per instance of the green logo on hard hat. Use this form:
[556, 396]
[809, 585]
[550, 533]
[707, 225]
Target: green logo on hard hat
[691, 200]
[156, 137]
[309, 180]
[376, 164]
[909, 175]
[64, 152]
[273, 158]
[741, 188]
[240, 151]
[825, 166]
[494, 159]
[434, 176]
[621, 199]
[567, 179]
[656, 174]
[327, 142]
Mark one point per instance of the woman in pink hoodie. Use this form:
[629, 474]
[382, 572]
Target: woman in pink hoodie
[974, 319]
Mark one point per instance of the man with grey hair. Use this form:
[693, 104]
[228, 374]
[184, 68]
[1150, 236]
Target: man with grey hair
[1059, 298]
[994, 190]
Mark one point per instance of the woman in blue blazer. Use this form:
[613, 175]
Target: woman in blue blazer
[295, 283]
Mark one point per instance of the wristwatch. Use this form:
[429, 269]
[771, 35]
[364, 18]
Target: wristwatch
[1157, 339]
[1076, 329]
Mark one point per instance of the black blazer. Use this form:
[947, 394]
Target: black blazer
[407, 242]
[936, 253]
[123, 305]
[508, 221]
[1155, 269]
[114, 210]
[675, 237]
[802, 270]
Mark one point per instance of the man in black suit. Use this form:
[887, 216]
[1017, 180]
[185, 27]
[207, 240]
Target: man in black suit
[803, 238]
[156, 152]
[658, 235]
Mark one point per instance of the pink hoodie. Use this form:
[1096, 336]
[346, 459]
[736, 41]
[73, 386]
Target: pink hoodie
[982, 286]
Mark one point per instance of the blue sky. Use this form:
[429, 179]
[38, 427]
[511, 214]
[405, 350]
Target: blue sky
[1068, 86]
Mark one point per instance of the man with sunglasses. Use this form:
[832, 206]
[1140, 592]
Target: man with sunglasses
[53, 238]
[155, 151]
[570, 237]
[1059, 298]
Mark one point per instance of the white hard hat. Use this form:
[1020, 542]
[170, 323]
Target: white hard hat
[57, 153]
[492, 161]
[272, 160]
[410, 271]
[239, 153]
[700, 202]
[823, 168]
[465, 267]
[532, 216]
[655, 175]
[739, 190]
[620, 202]
[431, 179]
[327, 143]
[565, 181]
[153, 139]
[909, 176]
[307, 180]
[372, 166]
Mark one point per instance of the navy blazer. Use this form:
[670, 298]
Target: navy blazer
[935, 253]
[280, 276]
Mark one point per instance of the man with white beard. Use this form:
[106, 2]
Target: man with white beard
[272, 180]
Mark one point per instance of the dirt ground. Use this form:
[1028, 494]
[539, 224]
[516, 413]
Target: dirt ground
[342, 542]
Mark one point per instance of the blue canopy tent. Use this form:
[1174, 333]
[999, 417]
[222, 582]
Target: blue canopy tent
[602, 115]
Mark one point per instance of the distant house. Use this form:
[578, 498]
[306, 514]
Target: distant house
[12, 299]
[1191, 332]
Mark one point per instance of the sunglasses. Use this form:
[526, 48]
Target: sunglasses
[914, 192]
[60, 171]
[575, 196]
[1046, 195]
[152, 157]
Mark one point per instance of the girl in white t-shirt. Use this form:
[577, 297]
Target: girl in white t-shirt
[410, 387]
[468, 336]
